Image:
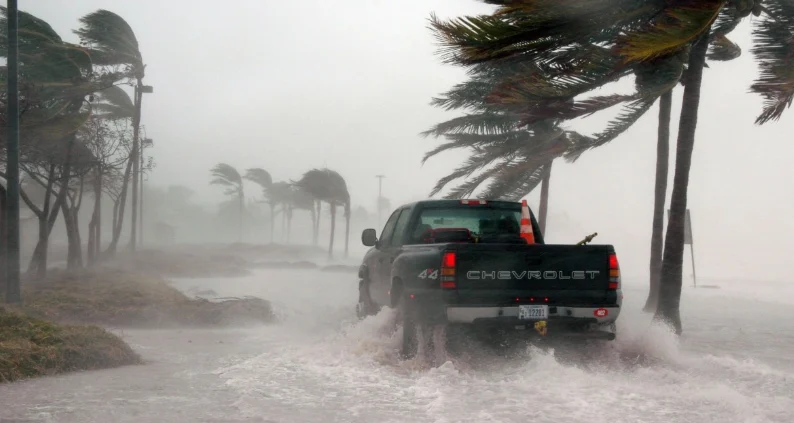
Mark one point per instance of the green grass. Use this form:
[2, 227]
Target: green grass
[31, 347]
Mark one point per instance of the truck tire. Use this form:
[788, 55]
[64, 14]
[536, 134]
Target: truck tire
[365, 306]
[410, 343]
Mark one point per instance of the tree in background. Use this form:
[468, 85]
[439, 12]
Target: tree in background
[227, 176]
[326, 185]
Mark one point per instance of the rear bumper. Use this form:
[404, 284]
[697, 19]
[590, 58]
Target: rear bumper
[509, 314]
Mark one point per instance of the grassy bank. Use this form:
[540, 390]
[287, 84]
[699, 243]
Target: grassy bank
[121, 298]
[31, 347]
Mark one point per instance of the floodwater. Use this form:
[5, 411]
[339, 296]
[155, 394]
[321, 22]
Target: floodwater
[734, 363]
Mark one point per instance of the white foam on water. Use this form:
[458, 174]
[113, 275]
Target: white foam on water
[326, 366]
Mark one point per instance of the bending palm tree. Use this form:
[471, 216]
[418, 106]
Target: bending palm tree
[112, 42]
[227, 176]
[329, 186]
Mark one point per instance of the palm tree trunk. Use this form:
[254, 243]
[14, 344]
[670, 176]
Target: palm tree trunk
[118, 217]
[3, 239]
[544, 198]
[660, 198]
[314, 223]
[333, 228]
[242, 207]
[317, 227]
[347, 230]
[98, 211]
[668, 310]
[272, 221]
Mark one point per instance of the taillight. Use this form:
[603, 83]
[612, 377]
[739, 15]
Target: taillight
[448, 270]
[614, 272]
[474, 202]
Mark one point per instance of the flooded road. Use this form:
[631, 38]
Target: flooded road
[319, 364]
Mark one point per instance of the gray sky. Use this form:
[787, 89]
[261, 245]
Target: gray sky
[288, 86]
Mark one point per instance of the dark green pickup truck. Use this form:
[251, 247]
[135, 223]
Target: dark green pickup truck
[464, 262]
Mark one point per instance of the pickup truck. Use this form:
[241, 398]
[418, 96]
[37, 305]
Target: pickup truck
[465, 262]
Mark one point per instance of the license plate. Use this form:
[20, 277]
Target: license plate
[533, 312]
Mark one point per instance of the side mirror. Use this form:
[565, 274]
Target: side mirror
[369, 237]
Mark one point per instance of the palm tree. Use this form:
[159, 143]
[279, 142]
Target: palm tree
[112, 42]
[328, 186]
[226, 175]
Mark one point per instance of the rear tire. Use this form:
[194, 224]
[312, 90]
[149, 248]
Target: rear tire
[410, 342]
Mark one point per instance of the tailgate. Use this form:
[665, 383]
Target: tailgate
[532, 267]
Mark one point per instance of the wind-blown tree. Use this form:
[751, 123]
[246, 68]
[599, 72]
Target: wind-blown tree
[227, 176]
[114, 106]
[112, 42]
[328, 186]
[56, 78]
[568, 41]
[108, 144]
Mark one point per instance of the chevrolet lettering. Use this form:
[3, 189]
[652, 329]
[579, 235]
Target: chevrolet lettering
[532, 274]
[483, 267]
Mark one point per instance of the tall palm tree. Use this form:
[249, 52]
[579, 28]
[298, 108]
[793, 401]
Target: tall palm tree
[227, 176]
[262, 178]
[326, 185]
[112, 42]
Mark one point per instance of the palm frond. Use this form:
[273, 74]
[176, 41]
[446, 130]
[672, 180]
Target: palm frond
[722, 49]
[111, 39]
[773, 48]
[224, 174]
[480, 123]
[673, 29]
[259, 176]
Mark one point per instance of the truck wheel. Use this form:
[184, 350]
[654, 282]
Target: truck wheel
[365, 307]
[410, 345]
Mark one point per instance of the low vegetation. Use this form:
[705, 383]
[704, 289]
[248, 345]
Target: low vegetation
[31, 347]
[121, 298]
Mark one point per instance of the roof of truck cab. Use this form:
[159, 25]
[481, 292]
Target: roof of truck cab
[457, 202]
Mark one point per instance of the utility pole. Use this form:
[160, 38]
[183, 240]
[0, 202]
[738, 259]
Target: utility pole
[11, 221]
[140, 90]
[380, 197]
[146, 142]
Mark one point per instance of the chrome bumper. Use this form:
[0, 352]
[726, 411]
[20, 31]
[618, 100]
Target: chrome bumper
[470, 314]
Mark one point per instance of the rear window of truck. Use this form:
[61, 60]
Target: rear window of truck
[480, 222]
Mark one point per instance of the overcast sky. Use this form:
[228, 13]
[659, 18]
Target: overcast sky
[288, 86]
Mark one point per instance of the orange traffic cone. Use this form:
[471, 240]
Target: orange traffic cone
[526, 224]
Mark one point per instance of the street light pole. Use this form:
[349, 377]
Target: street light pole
[146, 142]
[11, 220]
[140, 89]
